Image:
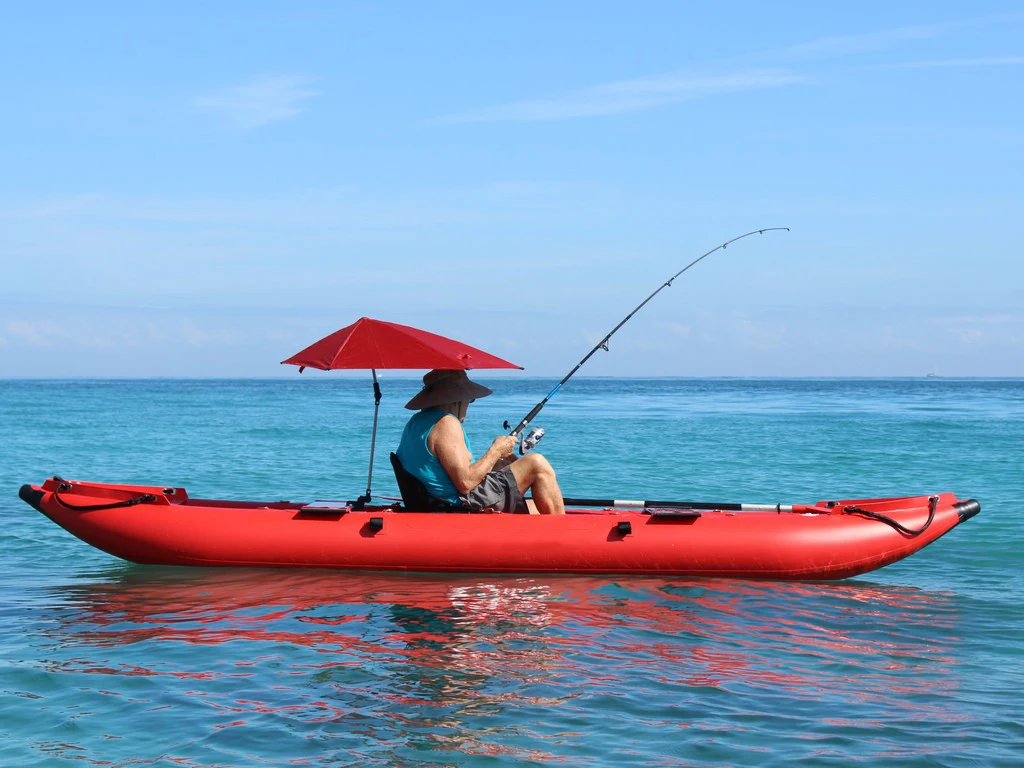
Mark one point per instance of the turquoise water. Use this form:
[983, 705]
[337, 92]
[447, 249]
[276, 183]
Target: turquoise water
[921, 663]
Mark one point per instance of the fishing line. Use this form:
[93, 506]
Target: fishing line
[603, 343]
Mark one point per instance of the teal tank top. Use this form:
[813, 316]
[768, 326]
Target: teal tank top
[420, 462]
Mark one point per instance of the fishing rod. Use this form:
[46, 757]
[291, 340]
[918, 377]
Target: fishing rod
[536, 434]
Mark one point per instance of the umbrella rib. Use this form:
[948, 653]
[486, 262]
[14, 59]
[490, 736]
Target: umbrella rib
[376, 348]
[341, 347]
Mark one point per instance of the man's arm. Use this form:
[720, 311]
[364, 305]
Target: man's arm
[448, 443]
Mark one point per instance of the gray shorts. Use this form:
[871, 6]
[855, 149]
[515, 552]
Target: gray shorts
[498, 490]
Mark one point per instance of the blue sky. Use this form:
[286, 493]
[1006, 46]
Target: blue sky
[202, 189]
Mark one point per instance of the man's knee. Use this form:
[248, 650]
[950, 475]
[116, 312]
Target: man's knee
[540, 465]
[530, 468]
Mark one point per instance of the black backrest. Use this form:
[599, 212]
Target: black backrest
[414, 494]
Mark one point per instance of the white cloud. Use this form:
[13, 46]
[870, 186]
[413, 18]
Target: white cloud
[34, 335]
[991, 61]
[259, 102]
[1006, 330]
[61, 208]
[646, 92]
[991, 319]
[194, 334]
[631, 95]
[45, 333]
[846, 45]
[758, 334]
[679, 330]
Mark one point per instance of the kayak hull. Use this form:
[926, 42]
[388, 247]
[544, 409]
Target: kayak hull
[824, 541]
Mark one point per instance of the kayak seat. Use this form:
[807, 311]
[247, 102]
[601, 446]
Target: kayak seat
[415, 496]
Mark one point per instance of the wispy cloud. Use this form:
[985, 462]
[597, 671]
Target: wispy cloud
[631, 95]
[259, 102]
[882, 39]
[847, 45]
[990, 61]
[1002, 329]
[42, 334]
[647, 92]
[54, 209]
[104, 329]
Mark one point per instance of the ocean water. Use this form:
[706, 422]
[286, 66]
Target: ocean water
[922, 663]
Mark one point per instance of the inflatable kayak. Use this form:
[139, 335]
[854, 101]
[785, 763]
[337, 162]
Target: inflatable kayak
[832, 539]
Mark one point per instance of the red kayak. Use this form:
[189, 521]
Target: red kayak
[826, 540]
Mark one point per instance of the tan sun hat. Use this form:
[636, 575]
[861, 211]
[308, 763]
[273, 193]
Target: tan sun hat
[440, 387]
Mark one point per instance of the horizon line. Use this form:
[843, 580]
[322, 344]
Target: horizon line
[837, 377]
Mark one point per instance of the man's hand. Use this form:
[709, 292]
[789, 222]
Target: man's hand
[504, 445]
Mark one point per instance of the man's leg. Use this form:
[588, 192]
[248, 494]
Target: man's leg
[533, 471]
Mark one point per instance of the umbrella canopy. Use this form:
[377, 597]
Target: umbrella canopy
[376, 344]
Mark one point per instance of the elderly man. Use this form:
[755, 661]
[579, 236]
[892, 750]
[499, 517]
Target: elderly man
[435, 450]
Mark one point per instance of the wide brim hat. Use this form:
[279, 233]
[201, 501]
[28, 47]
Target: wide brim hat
[441, 387]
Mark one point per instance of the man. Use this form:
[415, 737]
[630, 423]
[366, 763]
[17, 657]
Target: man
[435, 450]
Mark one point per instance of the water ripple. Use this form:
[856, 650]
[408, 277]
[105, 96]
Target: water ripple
[248, 666]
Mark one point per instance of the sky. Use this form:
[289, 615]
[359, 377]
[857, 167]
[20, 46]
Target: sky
[203, 189]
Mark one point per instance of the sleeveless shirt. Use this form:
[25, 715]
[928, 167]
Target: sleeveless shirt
[420, 462]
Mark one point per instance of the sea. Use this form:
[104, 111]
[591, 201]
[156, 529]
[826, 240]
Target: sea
[106, 663]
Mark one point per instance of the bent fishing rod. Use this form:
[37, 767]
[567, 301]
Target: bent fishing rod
[531, 440]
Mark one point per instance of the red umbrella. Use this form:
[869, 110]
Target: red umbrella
[376, 344]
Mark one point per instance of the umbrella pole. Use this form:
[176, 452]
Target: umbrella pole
[361, 501]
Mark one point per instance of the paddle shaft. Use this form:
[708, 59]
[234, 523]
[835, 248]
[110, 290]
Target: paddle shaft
[706, 505]
[603, 343]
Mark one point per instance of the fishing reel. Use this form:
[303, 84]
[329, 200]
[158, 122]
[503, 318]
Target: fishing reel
[528, 441]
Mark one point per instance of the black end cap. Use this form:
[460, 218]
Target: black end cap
[624, 528]
[31, 496]
[965, 510]
[376, 524]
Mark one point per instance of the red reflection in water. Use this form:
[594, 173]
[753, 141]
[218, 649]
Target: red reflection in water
[445, 643]
[328, 612]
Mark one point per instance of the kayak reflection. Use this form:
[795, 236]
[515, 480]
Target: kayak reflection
[708, 633]
[421, 663]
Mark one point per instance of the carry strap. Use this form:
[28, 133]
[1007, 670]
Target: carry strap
[146, 498]
[932, 502]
